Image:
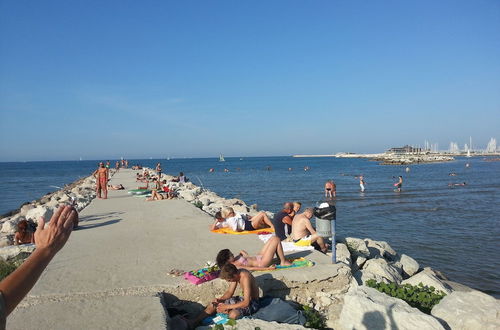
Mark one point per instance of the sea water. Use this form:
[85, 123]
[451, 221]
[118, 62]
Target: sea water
[452, 229]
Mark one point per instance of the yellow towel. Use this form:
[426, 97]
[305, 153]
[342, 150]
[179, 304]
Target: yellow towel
[245, 232]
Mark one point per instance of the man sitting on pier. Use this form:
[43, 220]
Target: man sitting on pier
[303, 233]
[234, 306]
[282, 220]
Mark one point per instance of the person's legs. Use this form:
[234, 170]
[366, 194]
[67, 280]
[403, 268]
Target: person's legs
[261, 220]
[272, 246]
[209, 310]
[320, 241]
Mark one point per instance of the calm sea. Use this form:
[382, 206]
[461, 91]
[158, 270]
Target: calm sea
[452, 229]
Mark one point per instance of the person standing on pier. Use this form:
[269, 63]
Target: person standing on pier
[101, 175]
[158, 170]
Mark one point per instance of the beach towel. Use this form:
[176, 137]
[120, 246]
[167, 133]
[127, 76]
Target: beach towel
[287, 246]
[264, 231]
[219, 318]
[202, 275]
[297, 263]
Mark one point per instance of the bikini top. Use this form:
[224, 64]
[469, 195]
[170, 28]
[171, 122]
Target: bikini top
[241, 261]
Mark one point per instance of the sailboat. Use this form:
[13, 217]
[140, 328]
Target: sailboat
[470, 147]
[221, 158]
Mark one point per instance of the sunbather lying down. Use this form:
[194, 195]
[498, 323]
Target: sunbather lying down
[240, 222]
[116, 187]
[262, 261]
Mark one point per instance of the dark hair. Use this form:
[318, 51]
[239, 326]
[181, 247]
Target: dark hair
[218, 215]
[228, 272]
[22, 222]
[181, 174]
[223, 257]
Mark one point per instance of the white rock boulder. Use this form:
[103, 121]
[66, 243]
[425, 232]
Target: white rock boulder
[357, 247]
[379, 270]
[380, 249]
[468, 311]
[10, 226]
[14, 250]
[37, 212]
[343, 254]
[367, 308]
[409, 265]
[428, 278]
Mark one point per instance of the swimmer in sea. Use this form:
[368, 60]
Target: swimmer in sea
[330, 189]
[456, 184]
[362, 183]
[399, 184]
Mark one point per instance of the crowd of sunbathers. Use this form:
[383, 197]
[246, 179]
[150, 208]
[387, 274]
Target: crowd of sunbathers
[288, 224]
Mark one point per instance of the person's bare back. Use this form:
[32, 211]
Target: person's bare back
[301, 226]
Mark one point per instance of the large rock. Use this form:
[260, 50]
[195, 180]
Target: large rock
[366, 308]
[6, 241]
[468, 311]
[187, 195]
[379, 270]
[10, 226]
[409, 265]
[428, 278]
[241, 209]
[343, 254]
[357, 247]
[204, 199]
[380, 249]
[12, 251]
[37, 212]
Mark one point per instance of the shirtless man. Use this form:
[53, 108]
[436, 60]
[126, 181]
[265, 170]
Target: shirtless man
[399, 184]
[362, 183]
[101, 175]
[303, 232]
[330, 188]
[234, 306]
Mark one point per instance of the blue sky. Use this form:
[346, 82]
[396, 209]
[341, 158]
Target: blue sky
[104, 79]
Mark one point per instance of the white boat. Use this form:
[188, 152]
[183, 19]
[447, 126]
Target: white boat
[221, 158]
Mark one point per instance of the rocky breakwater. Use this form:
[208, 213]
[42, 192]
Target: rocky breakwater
[82, 192]
[408, 159]
[339, 292]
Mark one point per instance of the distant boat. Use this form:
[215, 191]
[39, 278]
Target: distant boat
[80, 158]
[221, 158]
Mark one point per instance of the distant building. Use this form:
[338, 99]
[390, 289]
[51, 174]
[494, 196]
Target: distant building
[405, 150]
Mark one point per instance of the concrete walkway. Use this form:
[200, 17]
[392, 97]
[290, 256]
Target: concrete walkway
[110, 272]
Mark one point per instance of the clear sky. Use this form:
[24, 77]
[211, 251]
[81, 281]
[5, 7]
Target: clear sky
[140, 79]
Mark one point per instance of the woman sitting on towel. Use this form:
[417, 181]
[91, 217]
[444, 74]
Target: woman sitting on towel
[241, 222]
[261, 261]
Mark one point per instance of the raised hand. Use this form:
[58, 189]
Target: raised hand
[53, 235]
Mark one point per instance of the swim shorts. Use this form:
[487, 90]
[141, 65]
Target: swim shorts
[304, 241]
[246, 311]
[248, 225]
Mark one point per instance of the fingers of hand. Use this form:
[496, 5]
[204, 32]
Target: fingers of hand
[56, 215]
[64, 215]
[70, 220]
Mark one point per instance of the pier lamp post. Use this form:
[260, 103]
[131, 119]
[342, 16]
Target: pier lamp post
[326, 215]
